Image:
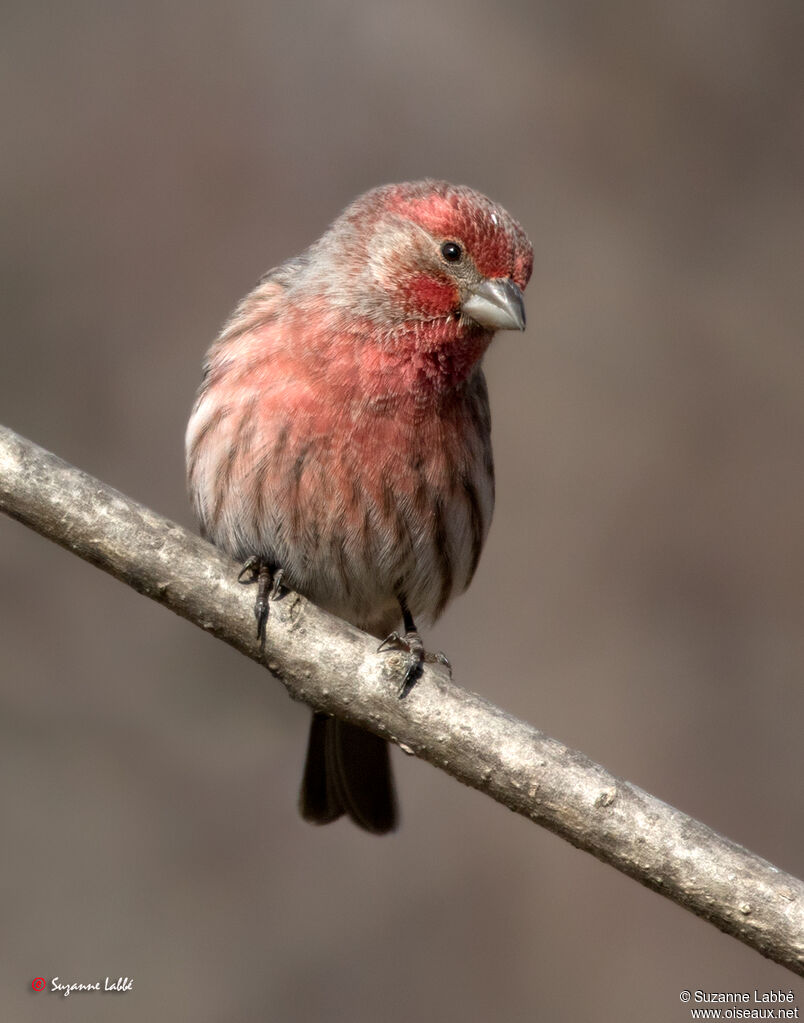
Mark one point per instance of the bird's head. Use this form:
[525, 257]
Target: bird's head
[427, 253]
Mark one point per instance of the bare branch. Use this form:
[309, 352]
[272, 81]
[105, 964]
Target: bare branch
[334, 667]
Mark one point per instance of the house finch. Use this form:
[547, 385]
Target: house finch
[341, 435]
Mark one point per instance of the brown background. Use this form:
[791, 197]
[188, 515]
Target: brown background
[642, 591]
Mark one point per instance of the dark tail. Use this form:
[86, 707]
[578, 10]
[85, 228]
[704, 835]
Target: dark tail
[348, 771]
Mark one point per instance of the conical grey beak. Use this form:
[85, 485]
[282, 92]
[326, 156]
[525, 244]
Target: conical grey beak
[496, 303]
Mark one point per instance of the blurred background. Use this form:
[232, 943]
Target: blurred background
[641, 596]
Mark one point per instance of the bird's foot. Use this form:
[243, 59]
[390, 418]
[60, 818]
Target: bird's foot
[269, 587]
[411, 643]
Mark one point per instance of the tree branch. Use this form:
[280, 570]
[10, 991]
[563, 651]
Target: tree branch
[334, 667]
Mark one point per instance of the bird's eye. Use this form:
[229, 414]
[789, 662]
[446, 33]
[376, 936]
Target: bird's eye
[451, 251]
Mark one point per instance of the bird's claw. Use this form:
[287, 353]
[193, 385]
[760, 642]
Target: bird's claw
[250, 568]
[269, 587]
[440, 658]
[390, 642]
[276, 584]
[410, 643]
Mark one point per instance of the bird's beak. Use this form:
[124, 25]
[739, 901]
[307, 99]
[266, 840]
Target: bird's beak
[496, 303]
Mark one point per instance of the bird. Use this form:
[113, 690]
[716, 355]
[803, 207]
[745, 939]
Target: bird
[340, 441]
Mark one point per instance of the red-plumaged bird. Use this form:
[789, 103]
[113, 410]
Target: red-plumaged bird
[342, 434]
